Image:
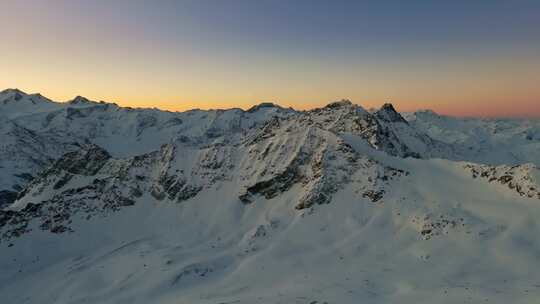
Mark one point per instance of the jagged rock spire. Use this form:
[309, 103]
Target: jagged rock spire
[388, 113]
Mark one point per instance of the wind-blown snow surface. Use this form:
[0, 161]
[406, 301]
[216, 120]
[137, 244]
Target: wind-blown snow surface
[269, 205]
[496, 141]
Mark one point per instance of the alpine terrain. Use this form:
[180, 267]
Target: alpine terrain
[107, 204]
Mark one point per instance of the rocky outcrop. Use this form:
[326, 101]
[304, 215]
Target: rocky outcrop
[430, 226]
[24, 152]
[384, 130]
[388, 113]
[289, 153]
[89, 182]
[86, 161]
[7, 198]
[522, 179]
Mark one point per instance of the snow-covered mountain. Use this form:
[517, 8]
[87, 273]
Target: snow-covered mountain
[105, 204]
[492, 141]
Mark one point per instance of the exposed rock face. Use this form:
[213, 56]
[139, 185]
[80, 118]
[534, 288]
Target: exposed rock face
[430, 226]
[24, 152]
[384, 130]
[89, 182]
[87, 161]
[522, 179]
[7, 198]
[308, 153]
[387, 113]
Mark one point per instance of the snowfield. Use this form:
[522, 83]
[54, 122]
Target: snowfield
[104, 204]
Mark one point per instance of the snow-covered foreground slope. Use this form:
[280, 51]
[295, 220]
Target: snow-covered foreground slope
[268, 205]
[437, 234]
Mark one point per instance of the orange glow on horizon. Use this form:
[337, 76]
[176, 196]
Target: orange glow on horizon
[485, 87]
[496, 107]
[177, 63]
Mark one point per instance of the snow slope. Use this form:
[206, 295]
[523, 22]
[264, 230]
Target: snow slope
[489, 141]
[269, 205]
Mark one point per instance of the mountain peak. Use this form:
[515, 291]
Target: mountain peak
[16, 94]
[339, 104]
[427, 112]
[388, 113]
[80, 100]
[388, 107]
[11, 90]
[263, 105]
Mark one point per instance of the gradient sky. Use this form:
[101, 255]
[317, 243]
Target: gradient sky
[470, 57]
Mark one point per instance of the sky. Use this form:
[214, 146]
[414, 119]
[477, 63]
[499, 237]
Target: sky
[460, 57]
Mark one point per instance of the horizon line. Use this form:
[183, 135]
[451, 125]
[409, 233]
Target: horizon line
[274, 103]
